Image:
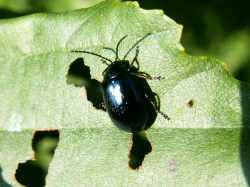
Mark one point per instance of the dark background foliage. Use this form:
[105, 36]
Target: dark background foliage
[218, 29]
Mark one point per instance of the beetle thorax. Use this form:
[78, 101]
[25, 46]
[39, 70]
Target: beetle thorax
[116, 69]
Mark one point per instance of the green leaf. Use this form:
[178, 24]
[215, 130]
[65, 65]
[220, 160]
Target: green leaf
[27, 6]
[203, 144]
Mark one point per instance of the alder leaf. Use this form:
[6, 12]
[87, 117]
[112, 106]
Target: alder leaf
[205, 143]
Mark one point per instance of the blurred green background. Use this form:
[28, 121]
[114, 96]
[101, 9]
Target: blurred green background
[218, 29]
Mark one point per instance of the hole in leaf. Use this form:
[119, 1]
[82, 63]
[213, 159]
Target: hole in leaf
[140, 148]
[79, 75]
[32, 173]
[191, 103]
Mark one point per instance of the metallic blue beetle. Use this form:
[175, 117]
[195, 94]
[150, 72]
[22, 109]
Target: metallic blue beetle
[123, 100]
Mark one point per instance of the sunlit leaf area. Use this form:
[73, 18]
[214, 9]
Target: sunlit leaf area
[54, 130]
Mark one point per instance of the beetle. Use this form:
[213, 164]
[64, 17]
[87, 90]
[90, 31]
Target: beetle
[123, 100]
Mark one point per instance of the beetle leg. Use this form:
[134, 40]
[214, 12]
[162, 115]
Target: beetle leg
[157, 78]
[156, 108]
[146, 76]
[135, 58]
[102, 105]
[104, 62]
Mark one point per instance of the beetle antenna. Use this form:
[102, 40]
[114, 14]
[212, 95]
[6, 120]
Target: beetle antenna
[117, 46]
[135, 45]
[92, 54]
